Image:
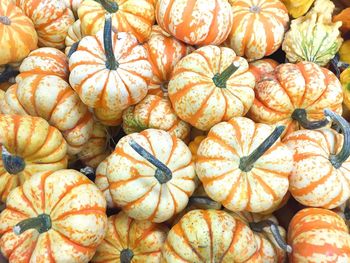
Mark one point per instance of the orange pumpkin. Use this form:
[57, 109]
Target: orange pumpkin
[244, 166]
[128, 240]
[321, 165]
[135, 16]
[295, 95]
[101, 80]
[211, 85]
[196, 22]
[18, 36]
[28, 145]
[262, 67]
[54, 217]
[258, 27]
[318, 235]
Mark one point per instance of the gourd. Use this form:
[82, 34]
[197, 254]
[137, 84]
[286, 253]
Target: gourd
[262, 67]
[298, 8]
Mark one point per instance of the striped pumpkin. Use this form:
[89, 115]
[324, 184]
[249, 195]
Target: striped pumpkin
[258, 27]
[108, 117]
[154, 112]
[51, 19]
[73, 5]
[196, 22]
[28, 145]
[128, 240]
[294, 95]
[210, 236]
[318, 235]
[51, 98]
[262, 67]
[135, 16]
[151, 175]
[18, 36]
[211, 85]
[164, 52]
[74, 35]
[54, 217]
[244, 165]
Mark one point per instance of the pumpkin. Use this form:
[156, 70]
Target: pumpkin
[313, 37]
[28, 145]
[128, 240]
[194, 145]
[97, 147]
[210, 85]
[164, 51]
[154, 112]
[210, 236]
[151, 175]
[195, 22]
[73, 38]
[51, 19]
[297, 8]
[295, 95]
[108, 117]
[258, 27]
[73, 5]
[244, 166]
[51, 98]
[46, 60]
[321, 165]
[18, 36]
[344, 52]
[135, 16]
[54, 217]
[104, 82]
[318, 235]
[345, 81]
[262, 67]
[344, 17]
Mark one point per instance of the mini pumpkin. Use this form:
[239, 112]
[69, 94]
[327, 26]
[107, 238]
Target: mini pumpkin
[54, 217]
[73, 38]
[295, 95]
[154, 112]
[128, 240]
[318, 235]
[258, 27]
[151, 175]
[18, 36]
[28, 145]
[110, 70]
[244, 165]
[210, 85]
[262, 67]
[345, 81]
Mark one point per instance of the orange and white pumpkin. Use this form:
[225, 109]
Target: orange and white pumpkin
[73, 37]
[262, 67]
[54, 217]
[108, 117]
[28, 145]
[258, 27]
[211, 85]
[73, 5]
[196, 22]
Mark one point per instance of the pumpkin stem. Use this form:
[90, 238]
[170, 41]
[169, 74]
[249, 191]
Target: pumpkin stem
[111, 62]
[73, 48]
[126, 255]
[163, 173]
[221, 79]
[8, 73]
[13, 164]
[247, 162]
[259, 227]
[5, 20]
[164, 87]
[109, 6]
[203, 200]
[42, 223]
[300, 116]
[338, 159]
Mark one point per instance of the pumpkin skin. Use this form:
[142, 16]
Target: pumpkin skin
[40, 147]
[18, 35]
[108, 117]
[218, 166]
[74, 35]
[210, 236]
[304, 85]
[77, 211]
[258, 27]
[73, 5]
[154, 112]
[151, 200]
[318, 235]
[194, 145]
[61, 107]
[164, 51]
[195, 22]
[196, 98]
[142, 238]
[135, 16]
[262, 67]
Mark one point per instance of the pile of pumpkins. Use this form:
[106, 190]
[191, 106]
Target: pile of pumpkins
[195, 125]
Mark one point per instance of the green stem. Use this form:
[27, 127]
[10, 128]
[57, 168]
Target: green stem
[126, 255]
[247, 162]
[13, 164]
[111, 62]
[8, 73]
[338, 159]
[110, 6]
[42, 223]
[73, 48]
[300, 116]
[221, 79]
